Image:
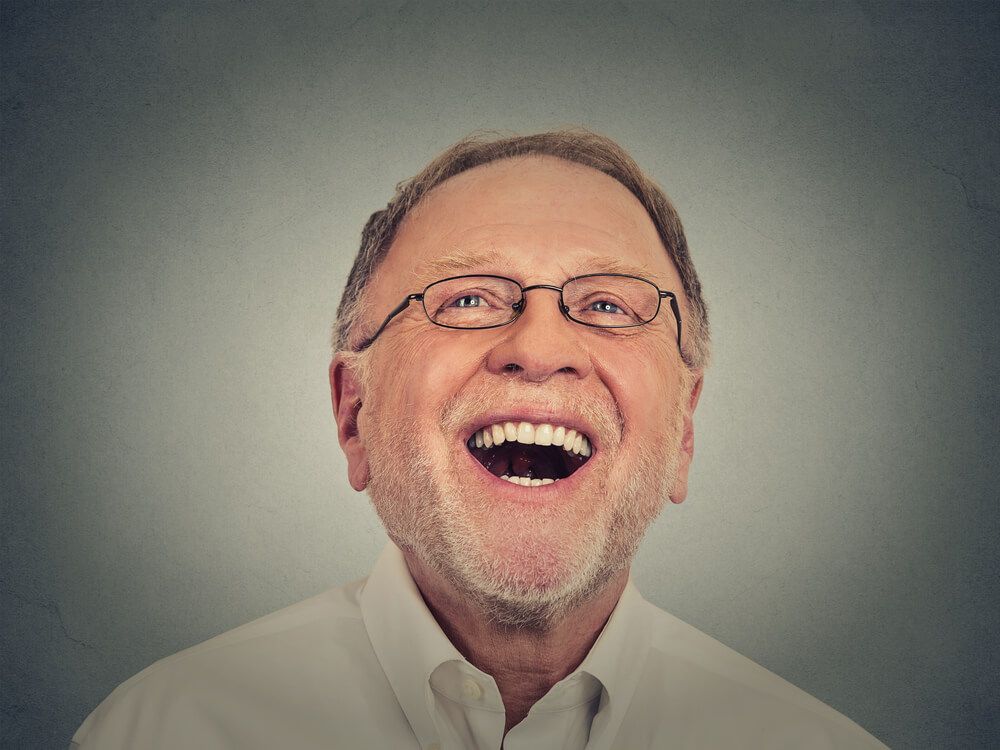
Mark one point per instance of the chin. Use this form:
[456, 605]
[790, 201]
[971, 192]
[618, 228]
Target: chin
[527, 578]
[534, 567]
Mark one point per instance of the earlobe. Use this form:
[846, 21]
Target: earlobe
[347, 396]
[679, 492]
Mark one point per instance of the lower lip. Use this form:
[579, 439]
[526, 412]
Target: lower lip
[519, 493]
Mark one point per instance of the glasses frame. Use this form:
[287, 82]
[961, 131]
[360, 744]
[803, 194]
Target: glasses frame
[519, 306]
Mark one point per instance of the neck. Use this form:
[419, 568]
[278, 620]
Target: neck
[525, 663]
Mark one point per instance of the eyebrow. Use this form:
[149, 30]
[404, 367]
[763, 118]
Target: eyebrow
[462, 262]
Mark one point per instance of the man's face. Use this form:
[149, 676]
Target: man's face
[516, 548]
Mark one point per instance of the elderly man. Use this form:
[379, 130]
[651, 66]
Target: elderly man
[519, 355]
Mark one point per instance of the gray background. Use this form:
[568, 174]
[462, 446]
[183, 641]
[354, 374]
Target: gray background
[183, 190]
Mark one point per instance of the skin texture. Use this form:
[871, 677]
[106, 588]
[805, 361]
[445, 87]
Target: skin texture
[521, 579]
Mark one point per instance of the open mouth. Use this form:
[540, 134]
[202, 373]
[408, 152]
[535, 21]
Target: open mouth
[530, 454]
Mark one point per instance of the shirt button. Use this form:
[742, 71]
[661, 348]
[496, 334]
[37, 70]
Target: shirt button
[471, 689]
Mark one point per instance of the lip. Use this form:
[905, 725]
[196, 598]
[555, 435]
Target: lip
[554, 418]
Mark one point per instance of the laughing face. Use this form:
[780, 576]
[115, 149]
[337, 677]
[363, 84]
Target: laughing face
[523, 463]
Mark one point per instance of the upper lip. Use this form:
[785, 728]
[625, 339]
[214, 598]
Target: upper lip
[534, 416]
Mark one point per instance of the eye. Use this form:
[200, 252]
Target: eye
[469, 300]
[603, 306]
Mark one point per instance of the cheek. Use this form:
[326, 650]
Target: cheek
[420, 376]
[645, 385]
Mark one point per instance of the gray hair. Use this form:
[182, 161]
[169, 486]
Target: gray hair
[576, 145]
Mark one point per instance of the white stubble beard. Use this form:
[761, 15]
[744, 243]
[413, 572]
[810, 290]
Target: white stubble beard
[416, 489]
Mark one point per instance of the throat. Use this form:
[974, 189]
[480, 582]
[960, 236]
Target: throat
[524, 662]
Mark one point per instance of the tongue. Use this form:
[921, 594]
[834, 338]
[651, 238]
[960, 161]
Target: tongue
[516, 461]
[537, 464]
[521, 463]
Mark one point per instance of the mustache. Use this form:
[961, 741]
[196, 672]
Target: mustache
[599, 411]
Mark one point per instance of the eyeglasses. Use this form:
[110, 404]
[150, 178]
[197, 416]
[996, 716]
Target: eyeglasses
[597, 300]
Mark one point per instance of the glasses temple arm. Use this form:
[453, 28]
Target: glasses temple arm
[398, 309]
[675, 308]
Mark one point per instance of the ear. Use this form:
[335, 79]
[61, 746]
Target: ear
[346, 392]
[679, 492]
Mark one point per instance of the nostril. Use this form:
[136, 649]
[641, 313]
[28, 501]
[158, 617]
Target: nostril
[511, 367]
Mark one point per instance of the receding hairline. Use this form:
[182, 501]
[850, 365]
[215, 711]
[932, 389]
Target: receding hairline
[510, 162]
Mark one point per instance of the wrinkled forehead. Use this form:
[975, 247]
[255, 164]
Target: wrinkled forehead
[538, 219]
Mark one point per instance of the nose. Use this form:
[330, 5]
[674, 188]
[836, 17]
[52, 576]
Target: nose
[541, 343]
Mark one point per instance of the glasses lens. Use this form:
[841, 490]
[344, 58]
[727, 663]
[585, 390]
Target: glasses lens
[472, 301]
[611, 301]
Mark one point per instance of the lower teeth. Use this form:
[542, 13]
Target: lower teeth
[526, 482]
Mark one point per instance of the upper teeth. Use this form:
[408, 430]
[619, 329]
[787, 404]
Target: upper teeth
[532, 434]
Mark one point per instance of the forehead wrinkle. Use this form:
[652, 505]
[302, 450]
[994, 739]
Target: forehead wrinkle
[607, 264]
[461, 262]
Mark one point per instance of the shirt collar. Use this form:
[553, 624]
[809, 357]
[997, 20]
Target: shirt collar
[616, 660]
[410, 645]
[407, 640]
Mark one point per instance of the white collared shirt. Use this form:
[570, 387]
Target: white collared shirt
[367, 666]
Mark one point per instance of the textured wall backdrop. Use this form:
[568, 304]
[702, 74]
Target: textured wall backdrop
[183, 190]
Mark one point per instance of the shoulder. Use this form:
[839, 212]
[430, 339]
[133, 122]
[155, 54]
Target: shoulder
[300, 667]
[724, 699]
